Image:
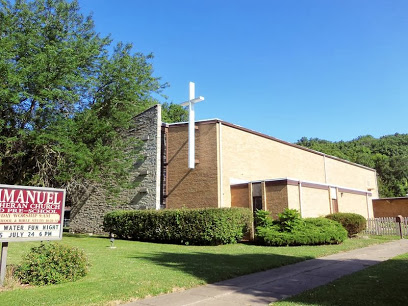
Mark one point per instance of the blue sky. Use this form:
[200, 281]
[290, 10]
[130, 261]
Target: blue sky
[328, 69]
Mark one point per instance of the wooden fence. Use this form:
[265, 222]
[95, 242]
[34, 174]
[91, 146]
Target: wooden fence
[386, 226]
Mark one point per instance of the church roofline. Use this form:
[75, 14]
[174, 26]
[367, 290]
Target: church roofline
[216, 120]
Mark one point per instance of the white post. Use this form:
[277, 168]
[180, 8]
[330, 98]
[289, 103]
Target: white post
[191, 127]
[191, 123]
[3, 261]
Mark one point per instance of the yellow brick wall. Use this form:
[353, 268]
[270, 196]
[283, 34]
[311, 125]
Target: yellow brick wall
[354, 203]
[315, 202]
[195, 188]
[226, 153]
[346, 175]
[250, 157]
[247, 156]
[293, 197]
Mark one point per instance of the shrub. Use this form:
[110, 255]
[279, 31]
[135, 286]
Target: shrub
[288, 220]
[353, 223]
[183, 226]
[262, 218]
[309, 231]
[52, 263]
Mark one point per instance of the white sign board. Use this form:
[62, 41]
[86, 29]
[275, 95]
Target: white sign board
[31, 213]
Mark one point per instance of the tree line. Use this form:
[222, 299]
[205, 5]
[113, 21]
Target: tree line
[387, 154]
[67, 94]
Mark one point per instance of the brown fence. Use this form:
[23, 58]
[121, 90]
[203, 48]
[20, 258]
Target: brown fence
[386, 226]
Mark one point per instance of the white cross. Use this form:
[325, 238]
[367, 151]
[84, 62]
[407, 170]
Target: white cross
[191, 123]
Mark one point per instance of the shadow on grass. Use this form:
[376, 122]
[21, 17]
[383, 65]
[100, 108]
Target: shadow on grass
[71, 235]
[211, 267]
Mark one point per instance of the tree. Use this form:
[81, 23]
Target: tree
[65, 99]
[173, 113]
[388, 155]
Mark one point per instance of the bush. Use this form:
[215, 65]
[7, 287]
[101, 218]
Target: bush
[52, 263]
[263, 218]
[183, 226]
[309, 231]
[288, 220]
[353, 223]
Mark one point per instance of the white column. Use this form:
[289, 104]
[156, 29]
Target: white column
[191, 127]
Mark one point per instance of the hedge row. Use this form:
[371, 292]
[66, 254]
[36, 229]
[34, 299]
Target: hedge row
[353, 223]
[181, 226]
[310, 231]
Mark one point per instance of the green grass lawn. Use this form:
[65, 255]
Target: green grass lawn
[138, 269]
[382, 284]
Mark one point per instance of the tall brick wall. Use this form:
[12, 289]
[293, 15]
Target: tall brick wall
[348, 175]
[276, 198]
[240, 196]
[230, 154]
[249, 156]
[192, 188]
[390, 207]
[88, 210]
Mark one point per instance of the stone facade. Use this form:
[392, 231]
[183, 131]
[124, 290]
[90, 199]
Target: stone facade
[88, 211]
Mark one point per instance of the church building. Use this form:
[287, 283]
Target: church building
[234, 167]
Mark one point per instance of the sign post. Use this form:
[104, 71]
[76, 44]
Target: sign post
[29, 214]
[4, 247]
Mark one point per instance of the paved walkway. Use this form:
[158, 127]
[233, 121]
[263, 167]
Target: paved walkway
[269, 286]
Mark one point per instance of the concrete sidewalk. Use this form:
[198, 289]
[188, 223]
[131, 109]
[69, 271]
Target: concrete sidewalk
[269, 286]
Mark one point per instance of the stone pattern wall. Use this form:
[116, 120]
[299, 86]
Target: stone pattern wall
[88, 210]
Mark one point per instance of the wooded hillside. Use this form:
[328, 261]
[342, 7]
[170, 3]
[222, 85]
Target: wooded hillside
[387, 154]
